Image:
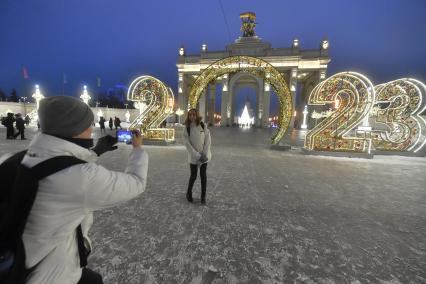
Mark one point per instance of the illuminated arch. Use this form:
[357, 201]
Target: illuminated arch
[258, 67]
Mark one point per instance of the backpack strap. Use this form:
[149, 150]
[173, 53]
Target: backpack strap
[15, 159]
[38, 172]
[51, 166]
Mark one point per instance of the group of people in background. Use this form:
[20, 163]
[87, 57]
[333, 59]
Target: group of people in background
[116, 123]
[19, 122]
[15, 121]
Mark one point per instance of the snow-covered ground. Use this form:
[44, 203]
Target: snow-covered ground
[271, 217]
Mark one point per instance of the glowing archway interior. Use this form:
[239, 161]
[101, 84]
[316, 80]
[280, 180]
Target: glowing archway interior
[254, 66]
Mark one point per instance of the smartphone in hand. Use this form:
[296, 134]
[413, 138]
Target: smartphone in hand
[124, 136]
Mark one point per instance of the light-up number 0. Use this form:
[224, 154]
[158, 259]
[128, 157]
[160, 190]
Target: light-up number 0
[355, 96]
[396, 117]
[155, 101]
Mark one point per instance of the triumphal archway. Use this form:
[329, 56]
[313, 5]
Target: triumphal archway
[300, 70]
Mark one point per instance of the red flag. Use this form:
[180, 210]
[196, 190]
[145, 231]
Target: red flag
[25, 72]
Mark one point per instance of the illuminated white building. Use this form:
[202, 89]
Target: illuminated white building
[299, 67]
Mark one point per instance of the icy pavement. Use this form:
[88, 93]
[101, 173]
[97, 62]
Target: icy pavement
[271, 217]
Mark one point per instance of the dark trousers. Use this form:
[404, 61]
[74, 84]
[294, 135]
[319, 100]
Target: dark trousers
[10, 131]
[193, 177]
[90, 277]
[20, 131]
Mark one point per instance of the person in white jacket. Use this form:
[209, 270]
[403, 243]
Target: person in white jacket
[197, 142]
[67, 198]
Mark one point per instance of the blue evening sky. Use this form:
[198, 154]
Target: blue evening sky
[119, 40]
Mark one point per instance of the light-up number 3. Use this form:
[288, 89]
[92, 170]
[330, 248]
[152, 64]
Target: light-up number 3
[397, 121]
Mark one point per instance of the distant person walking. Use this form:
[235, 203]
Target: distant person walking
[20, 125]
[8, 123]
[27, 120]
[102, 124]
[110, 123]
[117, 123]
[197, 142]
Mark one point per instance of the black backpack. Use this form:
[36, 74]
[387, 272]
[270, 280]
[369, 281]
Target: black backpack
[19, 189]
[188, 129]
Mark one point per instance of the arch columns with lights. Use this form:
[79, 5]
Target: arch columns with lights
[306, 88]
[182, 90]
[202, 105]
[266, 104]
[238, 81]
[225, 110]
[212, 103]
[293, 91]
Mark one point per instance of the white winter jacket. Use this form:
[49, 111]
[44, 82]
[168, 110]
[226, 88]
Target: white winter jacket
[67, 199]
[198, 142]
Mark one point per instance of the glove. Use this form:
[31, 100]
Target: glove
[105, 144]
[203, 158]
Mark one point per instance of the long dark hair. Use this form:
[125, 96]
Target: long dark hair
[197, 120]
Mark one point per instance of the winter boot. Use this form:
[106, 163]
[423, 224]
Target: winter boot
[189, 196]
[203, 197]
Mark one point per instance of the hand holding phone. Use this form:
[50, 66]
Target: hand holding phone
[124, 136]
[136, 138]
[105, 144]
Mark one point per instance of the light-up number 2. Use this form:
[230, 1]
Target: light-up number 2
[354, 94]
[157, 99]
[396, 116]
